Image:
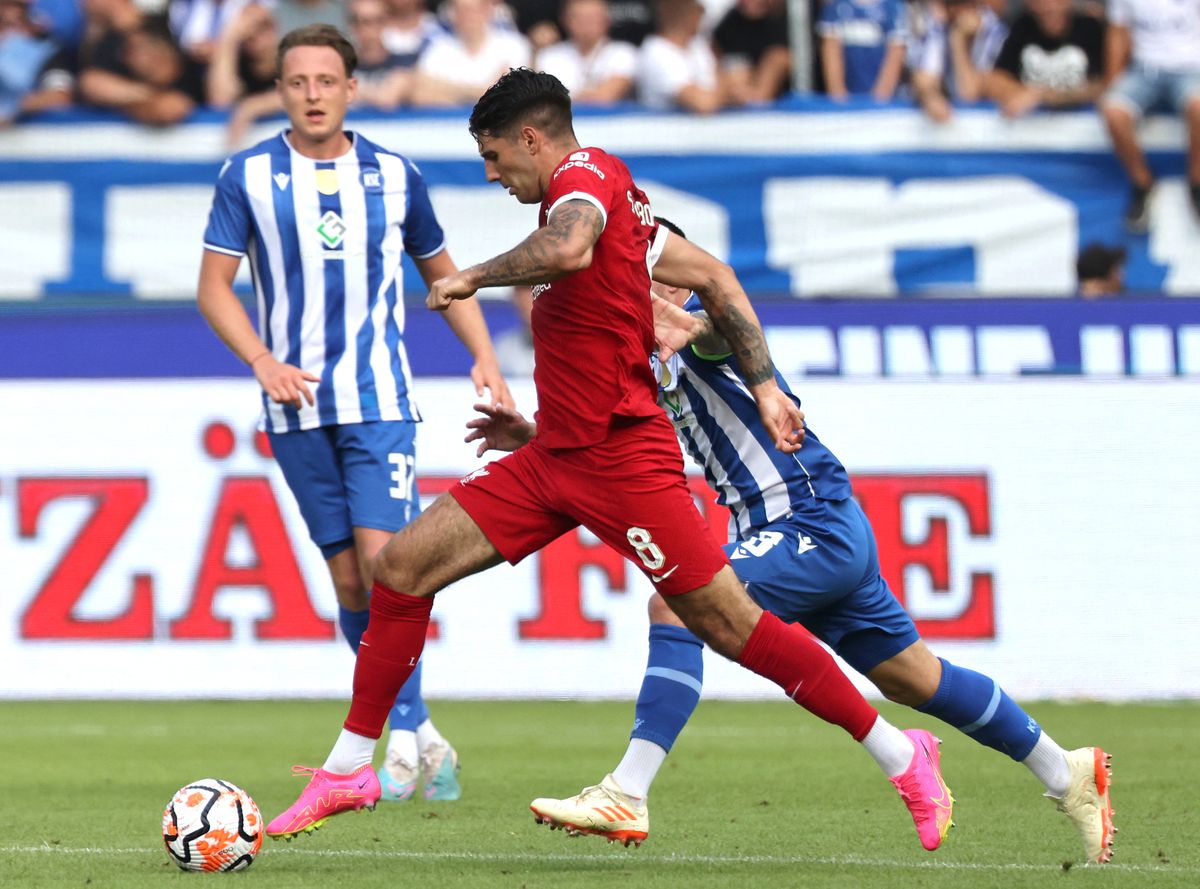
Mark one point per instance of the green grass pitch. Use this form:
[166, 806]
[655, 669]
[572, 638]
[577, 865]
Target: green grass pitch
[756, 794]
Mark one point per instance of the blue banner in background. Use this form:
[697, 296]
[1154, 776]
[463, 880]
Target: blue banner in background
[860, 339]
[804, 202]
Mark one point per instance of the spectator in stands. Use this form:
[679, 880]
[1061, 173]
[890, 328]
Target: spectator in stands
[198, 24]
[410, 28]
[676, 65]
[292, 14]
[34, 69]
[1100, 270]
[1153, 59]
[385, 79]
[538, 20]
[241, 74]
[753, 51]
[862, 47]
[1053, 58]
[954, 44]
[632, 20]
[593, 68]
[457, 68]
[134, 67]
[60, 20]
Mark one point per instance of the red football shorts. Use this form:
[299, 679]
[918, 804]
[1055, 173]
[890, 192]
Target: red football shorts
[629, 491]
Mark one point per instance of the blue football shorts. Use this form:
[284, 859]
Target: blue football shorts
[361, 475]
[822, 571]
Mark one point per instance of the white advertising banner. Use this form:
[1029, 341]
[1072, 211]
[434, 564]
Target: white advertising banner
[1038, 530]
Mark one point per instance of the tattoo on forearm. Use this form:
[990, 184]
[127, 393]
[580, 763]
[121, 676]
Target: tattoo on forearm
[746, 341]
[708, 339]
[535, 260]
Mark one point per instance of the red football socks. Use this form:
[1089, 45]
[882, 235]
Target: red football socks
[387, 655]
[793, 660]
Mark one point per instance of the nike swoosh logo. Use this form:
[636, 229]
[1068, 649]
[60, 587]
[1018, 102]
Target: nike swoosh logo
[660, 578]
[365, 782]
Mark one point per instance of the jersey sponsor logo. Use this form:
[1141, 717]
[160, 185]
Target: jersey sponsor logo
[327, 182]
[539, 289]
[282, 180]
[805, 545]
[372, 180]
[585, 165]
[579, 156]
[332, 230]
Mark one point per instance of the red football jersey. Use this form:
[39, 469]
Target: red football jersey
[593, 330]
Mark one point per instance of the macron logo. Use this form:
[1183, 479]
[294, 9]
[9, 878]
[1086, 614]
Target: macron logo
[282, 180]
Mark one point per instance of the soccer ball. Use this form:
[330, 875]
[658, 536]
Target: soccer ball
[212, 825]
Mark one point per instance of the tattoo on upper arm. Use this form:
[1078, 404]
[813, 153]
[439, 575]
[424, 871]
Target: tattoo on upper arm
[575, 215]
[533, 260]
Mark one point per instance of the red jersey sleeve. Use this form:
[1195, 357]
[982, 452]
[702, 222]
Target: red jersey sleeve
[588, 174]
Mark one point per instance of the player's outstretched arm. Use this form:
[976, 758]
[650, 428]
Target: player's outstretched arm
[562, 246]
[683, 264]
[224, 313]
[500, 428]
[465, 318]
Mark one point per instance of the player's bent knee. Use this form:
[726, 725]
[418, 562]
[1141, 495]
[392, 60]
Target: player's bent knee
[660, 612]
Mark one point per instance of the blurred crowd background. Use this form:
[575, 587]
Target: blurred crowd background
[156, 62]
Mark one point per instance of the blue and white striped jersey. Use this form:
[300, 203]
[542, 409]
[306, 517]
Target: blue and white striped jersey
[717, 421]
[325, 240]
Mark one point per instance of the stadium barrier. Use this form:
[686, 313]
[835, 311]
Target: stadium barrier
[1039, 530]
[806, 199]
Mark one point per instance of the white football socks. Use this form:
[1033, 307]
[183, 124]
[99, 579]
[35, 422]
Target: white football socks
[402, 745]
[1048, 762]
[889, 747]
[428, 734]
[638, 767]
[349, 752]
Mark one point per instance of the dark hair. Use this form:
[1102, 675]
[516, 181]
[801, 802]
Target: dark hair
[1098, 260]
[523, 96]
[670, 226]
[317, 35]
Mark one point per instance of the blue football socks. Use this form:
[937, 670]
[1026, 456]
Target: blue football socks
[671, 687]
[353, 624]
[409, 710]
[975, 705]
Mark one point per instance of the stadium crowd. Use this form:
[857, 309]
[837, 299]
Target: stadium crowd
[156, 61]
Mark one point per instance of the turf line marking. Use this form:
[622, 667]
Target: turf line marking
[633, 857]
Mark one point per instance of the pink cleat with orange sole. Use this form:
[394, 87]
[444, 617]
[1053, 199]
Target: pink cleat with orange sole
[924, 792]
[325, 795]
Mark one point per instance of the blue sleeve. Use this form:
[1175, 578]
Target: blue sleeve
[229, 226]
[829, 16]
[423, 235]
[896, 23]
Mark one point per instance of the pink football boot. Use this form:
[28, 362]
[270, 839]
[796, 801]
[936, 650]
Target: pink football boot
[325, 795]
[923, 790]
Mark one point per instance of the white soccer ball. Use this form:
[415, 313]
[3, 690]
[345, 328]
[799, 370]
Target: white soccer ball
[212, 825]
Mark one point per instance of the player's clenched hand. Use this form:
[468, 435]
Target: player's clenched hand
[446, 290]
[284, 383]
[501, 428]
[673, 327]
[784, 421]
